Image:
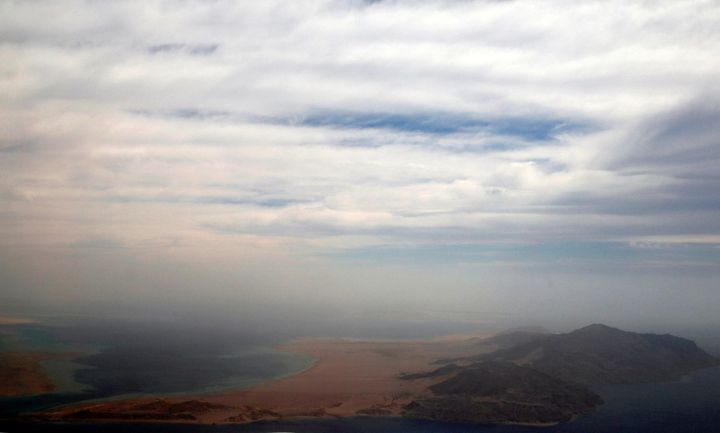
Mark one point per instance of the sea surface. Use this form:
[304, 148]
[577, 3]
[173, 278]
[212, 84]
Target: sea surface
[120, 359]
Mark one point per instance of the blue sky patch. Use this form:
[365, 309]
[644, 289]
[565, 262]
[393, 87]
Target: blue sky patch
[541, 252]
[529, 129]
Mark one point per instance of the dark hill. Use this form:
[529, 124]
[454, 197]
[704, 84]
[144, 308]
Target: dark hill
[599, 354]
[502, 392]
[541, 378]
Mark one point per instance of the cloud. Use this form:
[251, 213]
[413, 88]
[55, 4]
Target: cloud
[303, 132]
[195, 49]
[679, 140]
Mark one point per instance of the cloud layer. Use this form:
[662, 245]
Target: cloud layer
[517, 134]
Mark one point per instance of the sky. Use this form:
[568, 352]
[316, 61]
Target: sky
[481, 160]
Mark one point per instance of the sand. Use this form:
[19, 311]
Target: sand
[22, 374]
[348, 378]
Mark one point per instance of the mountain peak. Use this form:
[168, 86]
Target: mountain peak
[599, 353]
[597, 328]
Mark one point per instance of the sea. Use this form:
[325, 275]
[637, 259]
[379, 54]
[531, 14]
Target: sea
[119, 358]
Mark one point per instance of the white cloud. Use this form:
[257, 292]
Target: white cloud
[190, 123]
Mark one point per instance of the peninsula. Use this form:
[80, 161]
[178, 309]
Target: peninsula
[524, 378]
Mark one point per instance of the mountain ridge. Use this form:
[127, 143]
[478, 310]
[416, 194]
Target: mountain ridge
[545, 379]
[600, 354]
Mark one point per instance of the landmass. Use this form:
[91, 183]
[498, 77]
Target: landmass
[348, 378]
[522, 377]
[6, 320]
[502, 392]
[599, 354]
[21, 373]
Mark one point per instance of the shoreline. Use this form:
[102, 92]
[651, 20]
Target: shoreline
[23, 373]
[194, 394]
[348, 378]
[8, 320]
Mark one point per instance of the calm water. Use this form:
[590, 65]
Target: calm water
[139, 358]
[120, 359]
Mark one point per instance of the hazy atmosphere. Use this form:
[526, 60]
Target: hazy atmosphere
[530, 162]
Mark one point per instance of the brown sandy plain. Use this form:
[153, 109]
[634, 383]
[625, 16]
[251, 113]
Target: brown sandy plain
[21, 373]
[15, 321]
[348, 378]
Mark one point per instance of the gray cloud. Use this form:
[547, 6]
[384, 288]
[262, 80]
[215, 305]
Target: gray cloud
[684, 137]
[192, 49]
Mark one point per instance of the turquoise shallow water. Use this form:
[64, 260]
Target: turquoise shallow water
[42, 338]
[122, 360]
[32, 338]
[62, 373]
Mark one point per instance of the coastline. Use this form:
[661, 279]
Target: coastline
[23, 373]
[7, 320]
[348, 378]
